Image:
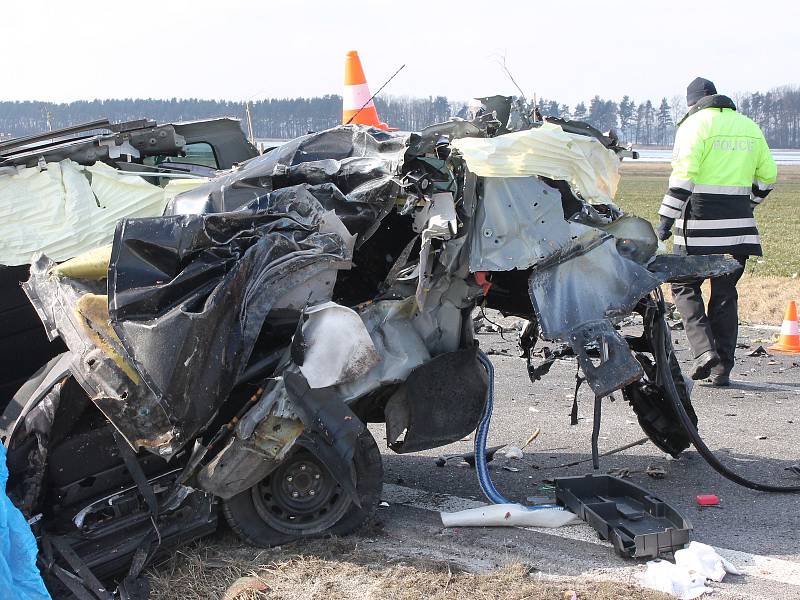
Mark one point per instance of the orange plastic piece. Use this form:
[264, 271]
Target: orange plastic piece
[789, 339]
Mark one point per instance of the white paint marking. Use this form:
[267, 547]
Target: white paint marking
[760, 386]
[752, 565]
[764, 327]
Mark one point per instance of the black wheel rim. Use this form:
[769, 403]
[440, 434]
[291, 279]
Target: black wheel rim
[300, 496]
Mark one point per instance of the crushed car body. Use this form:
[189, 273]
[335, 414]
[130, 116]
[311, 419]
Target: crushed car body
[62, 193]
[229, 352]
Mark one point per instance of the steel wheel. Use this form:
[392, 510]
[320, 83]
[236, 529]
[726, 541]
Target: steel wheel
[278, 510]
[300, 495]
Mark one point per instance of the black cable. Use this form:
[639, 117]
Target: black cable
[672, 392]
[500, 328]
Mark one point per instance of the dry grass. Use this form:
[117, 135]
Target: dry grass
[762, 300]
[349, 568]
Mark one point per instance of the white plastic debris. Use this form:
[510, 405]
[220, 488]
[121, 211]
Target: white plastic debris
[509, 515]
[339, 348]
[513, 452]
[704, 560]
[686, 579]
[663, 576]
[548, 151]
[64, 209]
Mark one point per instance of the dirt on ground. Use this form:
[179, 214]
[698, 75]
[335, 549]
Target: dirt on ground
[351, 568]
[763, 300]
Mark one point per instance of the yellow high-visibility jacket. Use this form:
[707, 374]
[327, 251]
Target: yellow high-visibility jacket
[721, 169]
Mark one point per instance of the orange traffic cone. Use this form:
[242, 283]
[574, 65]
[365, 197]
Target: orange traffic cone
[789, 339]
[357, 106]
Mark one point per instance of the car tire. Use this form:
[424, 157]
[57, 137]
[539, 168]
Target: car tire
[267, 523]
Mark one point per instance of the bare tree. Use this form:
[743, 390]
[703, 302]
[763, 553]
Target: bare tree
[678, 107]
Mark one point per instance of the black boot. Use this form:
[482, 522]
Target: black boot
[720, 376]
[702, 365]
[721, 380]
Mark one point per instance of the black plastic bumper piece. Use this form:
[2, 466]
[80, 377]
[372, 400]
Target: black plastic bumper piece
[638, 524]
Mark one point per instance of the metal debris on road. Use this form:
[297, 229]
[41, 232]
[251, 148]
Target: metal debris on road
[760, 351]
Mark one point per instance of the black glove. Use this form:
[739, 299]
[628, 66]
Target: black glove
[664, 229]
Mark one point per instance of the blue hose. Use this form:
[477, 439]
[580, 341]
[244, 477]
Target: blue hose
[481, 434]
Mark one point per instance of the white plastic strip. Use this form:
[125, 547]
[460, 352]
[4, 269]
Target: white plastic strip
[685, 184]
[716, 223]
[508, 515]
[728, 190]
[789, 328]
[733, 240]
[673, 202]
[763, 186]
[670, 213]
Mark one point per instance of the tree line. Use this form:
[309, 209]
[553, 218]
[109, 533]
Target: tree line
[641, 123]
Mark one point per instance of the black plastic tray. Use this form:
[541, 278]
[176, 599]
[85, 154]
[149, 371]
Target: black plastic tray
[636, 522]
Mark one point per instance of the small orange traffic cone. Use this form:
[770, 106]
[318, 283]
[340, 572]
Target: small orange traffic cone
[357, 105]
[789, 339]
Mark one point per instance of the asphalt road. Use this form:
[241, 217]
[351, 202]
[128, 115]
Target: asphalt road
[752, 426]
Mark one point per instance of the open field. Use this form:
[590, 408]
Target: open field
[770, 280]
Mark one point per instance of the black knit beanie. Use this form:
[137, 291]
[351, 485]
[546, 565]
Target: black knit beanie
[698, 89]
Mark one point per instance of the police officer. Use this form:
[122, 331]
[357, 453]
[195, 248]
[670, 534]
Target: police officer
[721, 170]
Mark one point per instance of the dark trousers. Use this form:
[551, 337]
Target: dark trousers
[718, 327]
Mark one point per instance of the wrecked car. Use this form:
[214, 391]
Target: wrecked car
[224, 358]
[61, 193]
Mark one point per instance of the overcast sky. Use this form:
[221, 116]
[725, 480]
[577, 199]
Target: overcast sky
[69, 50]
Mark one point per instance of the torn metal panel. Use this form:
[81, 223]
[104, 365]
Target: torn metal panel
[518, 223]
[397, 342]
[244, 462]
[680, 268]
[359, 162]
[590, 282]
[615, 367]
[546, 151]
[636, 239]
[578, 291]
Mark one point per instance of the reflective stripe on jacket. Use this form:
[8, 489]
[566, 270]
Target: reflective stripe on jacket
[720, 165]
